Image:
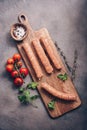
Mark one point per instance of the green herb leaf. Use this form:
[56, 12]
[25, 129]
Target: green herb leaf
[32, 85]
[25, 97]
[34, 97]
[63, 77]
[51, 105]
[26, 93]
[21, 90]
[22, 98]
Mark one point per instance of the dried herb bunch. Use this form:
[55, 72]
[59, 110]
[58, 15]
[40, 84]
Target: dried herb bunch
[64, 57]
[72, 69]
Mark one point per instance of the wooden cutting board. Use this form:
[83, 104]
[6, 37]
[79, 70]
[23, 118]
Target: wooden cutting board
[61, 106]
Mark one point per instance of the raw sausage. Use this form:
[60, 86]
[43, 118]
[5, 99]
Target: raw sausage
[33, 61]
[58, 94]
[42, 56]
[50, 52]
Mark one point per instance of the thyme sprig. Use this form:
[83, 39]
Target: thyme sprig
[72, 69]
[64, 57]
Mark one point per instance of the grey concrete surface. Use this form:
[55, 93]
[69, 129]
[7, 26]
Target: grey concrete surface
[66, 20]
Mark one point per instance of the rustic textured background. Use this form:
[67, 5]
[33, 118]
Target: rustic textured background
[66, 20]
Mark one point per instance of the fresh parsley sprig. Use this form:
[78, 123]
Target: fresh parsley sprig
[51, 104]
[24, 94]
[63, 77]
[32, 85]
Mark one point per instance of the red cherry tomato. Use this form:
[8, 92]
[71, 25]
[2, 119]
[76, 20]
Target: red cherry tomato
[18, 81]
[10, 61]
[15, 74]
[16, 57]
[24, 72]
[19, 64]
[9, 68]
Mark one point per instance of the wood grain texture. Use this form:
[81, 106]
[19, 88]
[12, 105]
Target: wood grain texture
[61, 106]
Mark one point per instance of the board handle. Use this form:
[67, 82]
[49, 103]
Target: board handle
[23, 18]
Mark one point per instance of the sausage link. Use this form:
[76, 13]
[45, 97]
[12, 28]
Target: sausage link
[42, 56]
[49, 50]
[33, 61]
[58, 94]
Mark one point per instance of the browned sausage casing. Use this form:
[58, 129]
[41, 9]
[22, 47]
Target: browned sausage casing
[33, 61]
[58, 94]
[49, 50]
[42, 56]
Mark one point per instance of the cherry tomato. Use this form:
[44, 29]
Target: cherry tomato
[10, 61]
[16, 57]
[18, 81]
[24, 72]
[9, 68]
[15, 74]
[19, 64]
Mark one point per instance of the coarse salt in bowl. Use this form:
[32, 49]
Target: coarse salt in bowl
[18, 31]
